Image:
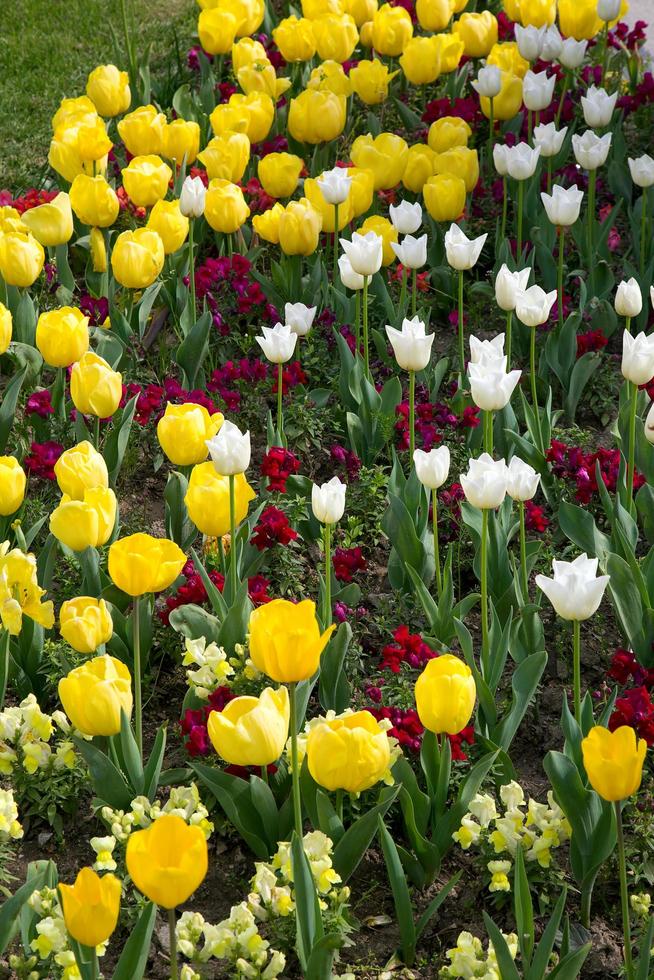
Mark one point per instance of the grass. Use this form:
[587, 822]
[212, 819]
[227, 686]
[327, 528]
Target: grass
[48, 49]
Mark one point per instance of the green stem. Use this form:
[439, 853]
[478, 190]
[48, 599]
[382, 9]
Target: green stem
[264, 773]
[327, 537]
[560, 276]
[504, 209]
[4, 665]
[532, 378]
[624, 893]
[96, 432]
[523, 551]
[366, 352]
[437, 557]
[339, 804]
[95, 966]
[605, 51]
[462, 350]
[191, 268]
[549, 175]
[631, 462]
[488, 432]
[172, 935]
[138, 708]
[507, 338]
[357, 319]
[530, 125]
[232, 538]
[295, 774]
[280, 417]
[414, 291]
[491, 124]
[576, 669]
[412, 416]
[521, 198]
[590, 218]
[485, 663]
[643, 231]
[335, 256]
[566, 83]
[128, 45]
[627, 324]
[403, 290]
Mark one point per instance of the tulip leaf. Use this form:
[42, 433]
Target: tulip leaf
[192, 351]
[507, 968]
[524, 682]
[307, 908]
[134, 957]
[355, 841]
[8, 407]
[218, 604]
[234, 796]
[106, 778]
[436, 903]
[328, 820]
[116, 442]
[152, 770]
[321, 960]
[401, 896]
[264, 802]
[333, 685]
[12, 907]
[130, 755]
[194, 622]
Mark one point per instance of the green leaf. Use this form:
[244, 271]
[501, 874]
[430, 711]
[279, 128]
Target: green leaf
[116, 442]
[193, 622]
[321, 960]
[435, 904]
[505, 962]
[355, 841]
[333, 686]
[234, 796]
[152, 770]
[524, 910]
[328, 820]
[8, 407]
[524, 682]
[134, 957]
[545, 946]
[11, 907]
[191, 353]
[401, 896]
[107, 780]
[307, 909]
[131, 755]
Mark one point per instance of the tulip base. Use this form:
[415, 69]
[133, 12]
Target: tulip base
[172, 937]
[624, 894]
[590, 230]
[507, 337]
[191, 269]
[414, 291]
[643, 231]
[488, 432]
[280, 410]
[357, 320]
[521, 204]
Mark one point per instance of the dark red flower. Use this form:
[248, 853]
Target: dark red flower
[277, 465]
[272, 528]
[347, 561]
[42, 458]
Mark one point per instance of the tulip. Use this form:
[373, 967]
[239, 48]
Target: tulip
[552, 44]
[86, 523]
[330, 77]
[522, 485]
[51, 224]
[432, 469]
[549, 139]
[168, 860]
[336, 37]
[181, 142]
[299, 228]
[12, 485]
[21, 258]
[217, 29]
[350, 278]
[183, 431]
[445, 695]
[590, 153]
[462, 253]
[421, 60]
[488, 82]
[575, 592]
[448, 131]
[365, 254]
[562, 207]
[642, 173]
[508, 286]
[91, 907]
[137, 258]
[450, 48]
[108, 89]
[638, 369]
[482, 351]
[316, 116]
[459, 161]
[79, 469]
[370, 80]
[628, 300]
[501, 159]
[349, 753]
[94, 202]
[335, 185]
[572, 53]
[94, 694]
[94, 387]
[419, 167]
[382, 227]
[385, 155]
[295, 39]
[506, 55]
[62, 336]
[434, 15]
[85, 623]
[491, 386]
[598, 107]
[251, 114]
[279, 173]
[533, 308]
[391, 30]
[230, 450]
[478, 33]
[299, 317]
[412, 348]
[20, 595]
[192, 197]
[530, 41]
[406, 218]
[445, 197]
[6, 327]
[509, 100]
[225, 157]
[328, 506]
[170, 224]
[208, 500]
[412, 252]
[142, 131]
[251, 731]
[224, 207]
[278, 344]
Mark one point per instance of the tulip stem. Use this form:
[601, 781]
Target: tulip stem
[521, 197]
[414, 291]
[631, 462]
[592, 179]
[576, 669]
[327, 538]
[491, 125]
[357, 320]
[560, 275]
[335, 255]
[485, 665]
[643, 231]
[403, 289]
[264, 773]
[136, 643]
[549, 175]
[504, 209]
[462, 352]
[339, 804]
[366, 353]
[295, 772]
[191, 268]
[605, 50]
[509, 325]
[412, 416]
[624, 893]
[530, 125]
[172, 935]
[96, 432]
[488, 432]
[523, 552]
[437, 556]
[564, 90]
[534, 393]
[95, 966]
[4, 665]
[280, 417]
[232, 538]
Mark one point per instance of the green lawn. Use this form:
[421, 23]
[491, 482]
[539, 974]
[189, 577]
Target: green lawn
[49, 47]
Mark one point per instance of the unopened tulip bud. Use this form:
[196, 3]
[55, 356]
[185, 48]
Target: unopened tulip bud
[192, 198]
[628, 298]
[328, 501]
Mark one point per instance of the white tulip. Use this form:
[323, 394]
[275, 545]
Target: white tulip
[411, 345]
[405, 218]
[523, 480]
[572, 53]
[552, 44]
[591, 150]
[462, 252]
[328, 501]
[507, 287]
[299, 317]
[230, 449]
[563, 205]
[522, 160]
[365, 252]
[534, 305]
[637, 358]
[500, 159]
[628, 298]
[486, 350]
[334, 185]
[411, 252]
[349, 278]
[488, 83]
[191, 200]
[598, 106]
[576, 590]
[484, 485]
[649, 425]
[432, 468]
[642, 170]
[530, 41]
[277, 343]
[491, 386]
[537, 90]
[549, 139]
[608, 9]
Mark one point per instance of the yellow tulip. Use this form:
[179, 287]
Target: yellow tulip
[94, 694]
[266, 224]
[478, 33]
[20, 592]
[21, 258]
[460, 161]
[614, 761]
[262, 77]
[64, 153]
[362, 10]
[295, 39]
[330, 77]
[137, 258]
[350, 752]
[451, 48]
[421, 60]
[448, 131]
[93, 143]
[365, 34]
[98, 251]
[434, 15]
[387, 233]
[313, 9]
[170, 224]
[370, 79]
[419, 167]
[146, 180]
[508, 102]
[168, 861]
[108, 89]
[362, 189]
[207, 499]
[537, 13]
[182, 432]
[249, 14]
[385, 155]
[391, 30]
[258, 110]
[328, 211]
[247, 51]
[445, 197]
[85, 623]
[80, 468]
[142, 131]
[73, 109]
[251, 731]
[91, 906]
[181, 141]
[62, 336]
[10, 220]
[139, 564]
[299, 228]
[94, 201]
[336, 37]
[224, 207]
[226, 156]
[87, 523]
[316, 116]
[217, 30]
[445, 695]
[279, 173]
[5, 328]
[229, 117]
[285, 640]
[94, 387]
[12, 485]
[578, 19]
[507, 57]
[51, 224]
